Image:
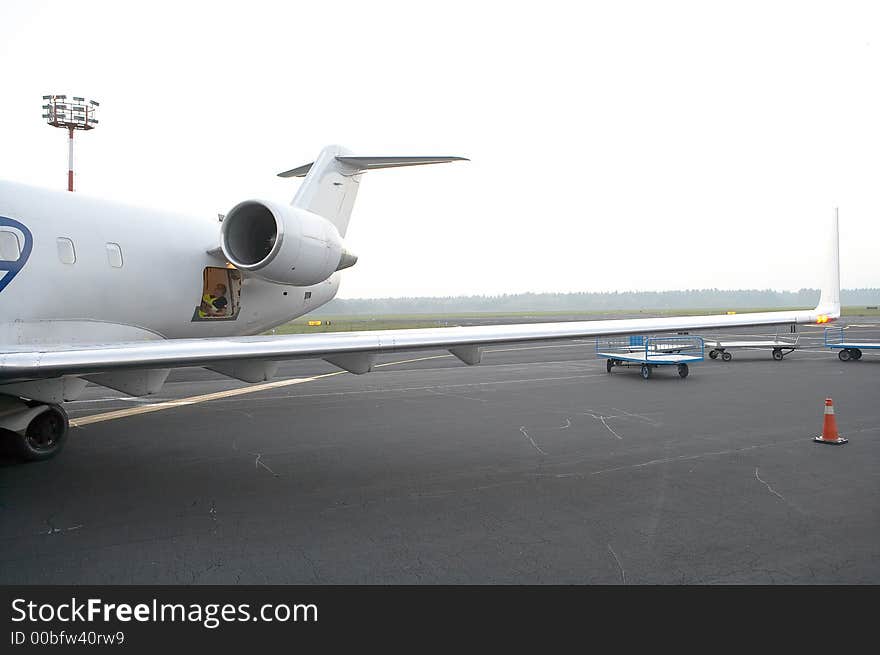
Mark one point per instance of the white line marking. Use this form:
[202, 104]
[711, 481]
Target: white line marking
[510, 350]
[425, 388]
[563, 427]
[108, 400]
[769, 488]
[638, 416]
[455, 395]
[407, 361]
[602, 418]
[258, 463]
[667, 460]
[619, 565]
[54, 530]
[529, 437]
[192, 400]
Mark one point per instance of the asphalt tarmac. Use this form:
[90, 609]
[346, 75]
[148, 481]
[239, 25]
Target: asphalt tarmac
[536, 466]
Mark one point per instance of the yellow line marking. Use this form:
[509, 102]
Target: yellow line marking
[193, 400]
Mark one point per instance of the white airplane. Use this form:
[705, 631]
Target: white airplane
[93, 291]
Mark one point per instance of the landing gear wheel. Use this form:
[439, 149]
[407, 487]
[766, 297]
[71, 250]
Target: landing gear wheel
[45, 435]
[726, 356]
[683, 370]
[856, 354]
[609, 365]
[646, 371]
[713, 354]
[777, 354]
[844, 355]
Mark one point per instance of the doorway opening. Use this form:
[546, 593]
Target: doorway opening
[221, 295]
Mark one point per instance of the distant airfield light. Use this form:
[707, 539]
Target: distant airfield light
[71, 117]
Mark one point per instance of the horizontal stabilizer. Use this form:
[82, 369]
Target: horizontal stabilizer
[371, 163]
[299, 171]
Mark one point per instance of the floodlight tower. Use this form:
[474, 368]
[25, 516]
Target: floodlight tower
[78, 115]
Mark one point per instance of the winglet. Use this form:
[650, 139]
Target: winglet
[829, 298]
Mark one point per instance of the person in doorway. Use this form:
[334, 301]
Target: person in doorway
[214, 303]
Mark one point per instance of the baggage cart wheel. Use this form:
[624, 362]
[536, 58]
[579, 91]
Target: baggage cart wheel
[683, 370]
[609, 364]
[726, 356]
[844, 355]
[646, 371]
[856, 354]
[713, 354]
[777, 354]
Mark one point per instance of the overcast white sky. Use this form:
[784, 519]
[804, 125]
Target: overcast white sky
[614, 145]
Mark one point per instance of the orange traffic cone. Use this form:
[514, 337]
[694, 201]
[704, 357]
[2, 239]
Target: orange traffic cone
[829, 427]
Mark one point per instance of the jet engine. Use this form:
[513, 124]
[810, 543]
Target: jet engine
[282, 244]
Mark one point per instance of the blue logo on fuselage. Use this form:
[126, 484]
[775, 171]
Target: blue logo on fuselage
[13, 267]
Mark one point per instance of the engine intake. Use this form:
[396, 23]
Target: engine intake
[283, 244]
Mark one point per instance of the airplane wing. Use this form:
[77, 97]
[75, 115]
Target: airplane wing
[140, 368]
[354, 351]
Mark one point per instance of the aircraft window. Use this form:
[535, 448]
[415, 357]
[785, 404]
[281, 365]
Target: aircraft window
[221, 295]
[308, 295]
[114, 255]
[10, 246]
[66, 251]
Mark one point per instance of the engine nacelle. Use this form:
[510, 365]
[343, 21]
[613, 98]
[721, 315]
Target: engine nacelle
[282, 244]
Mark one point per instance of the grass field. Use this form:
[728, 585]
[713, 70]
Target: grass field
[410, 321]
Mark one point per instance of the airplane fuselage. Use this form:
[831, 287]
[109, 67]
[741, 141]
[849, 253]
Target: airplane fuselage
[101, 272]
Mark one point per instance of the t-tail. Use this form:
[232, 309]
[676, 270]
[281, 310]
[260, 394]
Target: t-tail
[332, 180]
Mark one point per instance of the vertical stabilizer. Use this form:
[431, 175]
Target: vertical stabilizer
[330, 188]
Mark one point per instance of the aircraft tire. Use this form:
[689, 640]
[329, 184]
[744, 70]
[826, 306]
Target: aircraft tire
[726, 356]
[713, 354]
[777, 354]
